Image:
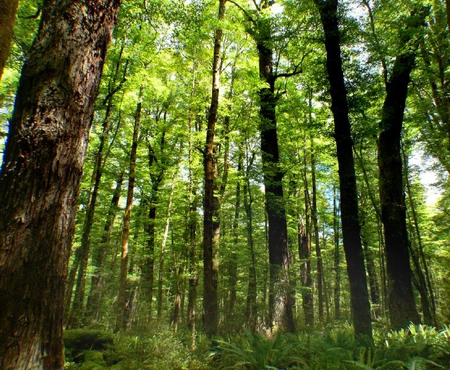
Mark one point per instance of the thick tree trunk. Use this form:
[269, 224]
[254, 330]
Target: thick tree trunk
[280, 296]
[359, 296]
[8, 10]
[402, 305]
[41, 174]
[211, 231]
[122, 293]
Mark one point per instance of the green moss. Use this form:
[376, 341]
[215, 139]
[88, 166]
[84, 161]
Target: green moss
[80, 341]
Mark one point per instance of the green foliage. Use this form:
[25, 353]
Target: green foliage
[162, 350]
[418, 347]
[256, 351]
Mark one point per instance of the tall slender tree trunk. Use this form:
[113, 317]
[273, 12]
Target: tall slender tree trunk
[314, 218]
[40, 177]
[233, 263]
[163, 250]
[8, 10]
[122, 294]
[337, 258]
[211, 231]
[97, 284]
[82, 253]
[304, 251]
[418, 257]
[402, 305]
[359, 296]
[251, 308]
[157, 169]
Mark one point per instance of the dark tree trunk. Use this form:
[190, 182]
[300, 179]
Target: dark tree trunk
[359, 296]
[251, 308]
[211, 224]
[8, 10]
[402, 305]
[280, 296]
[157, 169]
[40, 178]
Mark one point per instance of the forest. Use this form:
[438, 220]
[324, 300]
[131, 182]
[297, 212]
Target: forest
[224, 184]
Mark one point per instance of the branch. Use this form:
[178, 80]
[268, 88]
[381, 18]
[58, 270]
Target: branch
[243, 11]
[297, 69]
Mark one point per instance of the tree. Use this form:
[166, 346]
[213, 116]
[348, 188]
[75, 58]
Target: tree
[40, 178]
[8, 10]
[402, 306]
[211, 224]
[122, 298]
[359, 295]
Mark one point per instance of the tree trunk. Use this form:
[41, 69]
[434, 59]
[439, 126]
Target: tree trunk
[8, 10]
[251, 308]
[314, 218]
[156, 176]
[163, 250]
[402, 305]
[82, 253]
[122, 294]
[211, 225]
[41, 174]
[304, 251]
[359, 296]
[337, 258]
[423, 281]
[233, 263]
[96, 292]
[280, 296]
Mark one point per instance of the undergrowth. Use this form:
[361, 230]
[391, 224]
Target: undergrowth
[333, 348]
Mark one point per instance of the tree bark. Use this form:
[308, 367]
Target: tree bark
[41, 174]
[8, 10]
[359, 296]
[402, 305]
[211, 231]
[280, 296]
